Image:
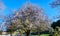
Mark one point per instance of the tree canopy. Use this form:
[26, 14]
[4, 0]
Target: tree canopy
[55, 24]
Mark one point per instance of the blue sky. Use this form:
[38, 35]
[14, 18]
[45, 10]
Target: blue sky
[16, 4]
[11, 5]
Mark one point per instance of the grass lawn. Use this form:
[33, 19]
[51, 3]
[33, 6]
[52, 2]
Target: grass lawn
[42, 35]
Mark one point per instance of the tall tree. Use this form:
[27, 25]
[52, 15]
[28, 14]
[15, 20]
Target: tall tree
[32, 17]
[10, 25]
[56, 27]
[28, 18]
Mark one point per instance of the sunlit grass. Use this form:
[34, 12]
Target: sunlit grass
[41, 35]
[44, 35]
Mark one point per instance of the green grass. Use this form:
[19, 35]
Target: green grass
[44, 35]
[41, 35]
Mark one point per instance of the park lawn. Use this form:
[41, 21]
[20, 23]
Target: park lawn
[44, 35]
[41, 35]
[34, 35]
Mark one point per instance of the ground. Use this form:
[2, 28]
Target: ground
[42, 35]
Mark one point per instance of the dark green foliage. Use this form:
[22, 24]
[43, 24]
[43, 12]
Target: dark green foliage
[55, 24]
[58, 23]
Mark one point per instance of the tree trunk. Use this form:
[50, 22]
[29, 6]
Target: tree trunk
[20, 33]
[10, 34]
[38, 34]
[27, 32]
